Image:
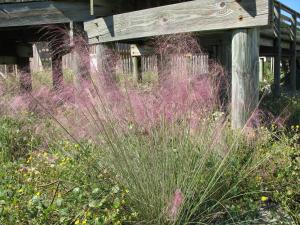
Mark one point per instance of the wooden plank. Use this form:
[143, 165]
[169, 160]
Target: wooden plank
[245, 75]
[43, 12]
[192, 16]
[285, 19]
[285, 34]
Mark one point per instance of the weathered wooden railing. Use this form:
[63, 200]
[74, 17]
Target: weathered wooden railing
[287, 27]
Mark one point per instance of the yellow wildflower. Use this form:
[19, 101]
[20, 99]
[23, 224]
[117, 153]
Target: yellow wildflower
[29, 159]
[84, 222]
[77, 222]
[264, 198]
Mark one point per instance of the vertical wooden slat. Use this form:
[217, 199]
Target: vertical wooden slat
[261, 69]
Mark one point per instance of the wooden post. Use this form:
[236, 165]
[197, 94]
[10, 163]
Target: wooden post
[57, 71]
[261, 69]
[56, 64]
[286, 70]
[278, 55]
[5, 70]
[137, 70]
[293, 78]
[92, 7]
[272, 64]
[80, 52]
[24, 74]
[245, 75]
[106, 62]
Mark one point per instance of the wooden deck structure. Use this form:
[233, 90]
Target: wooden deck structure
[239, 31]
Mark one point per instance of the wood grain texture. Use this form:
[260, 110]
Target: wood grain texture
[43, 12]
[193, 16]
[245, 75]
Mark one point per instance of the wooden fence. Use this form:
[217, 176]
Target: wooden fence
[192, 64]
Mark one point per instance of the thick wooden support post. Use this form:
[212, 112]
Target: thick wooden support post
[245, 71]
[106, 62]
[137, 70]
[278, 55]
[57, 71]
[56, 63]
[24, 74]
[293, 80]
[80, 52]
[36, 65]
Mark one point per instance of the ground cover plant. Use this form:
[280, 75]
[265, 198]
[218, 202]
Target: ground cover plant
[48, 187]
[118, 152]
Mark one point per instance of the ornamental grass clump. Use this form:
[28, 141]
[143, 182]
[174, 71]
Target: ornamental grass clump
[169, 145]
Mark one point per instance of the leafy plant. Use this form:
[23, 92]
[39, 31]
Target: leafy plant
[16, 138]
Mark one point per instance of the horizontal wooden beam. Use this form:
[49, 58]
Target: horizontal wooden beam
[268, 42]
[43, 12]
[192, 16]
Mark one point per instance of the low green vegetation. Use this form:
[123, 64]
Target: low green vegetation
[71, 167]
[256, 181]
[47, 186]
